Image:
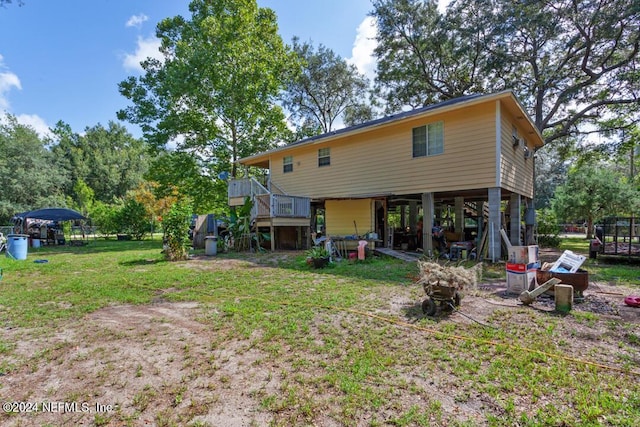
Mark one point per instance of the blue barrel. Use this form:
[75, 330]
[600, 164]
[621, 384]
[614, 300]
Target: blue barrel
[17, 245]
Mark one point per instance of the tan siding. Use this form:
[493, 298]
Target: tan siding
[380, 161]
[341, 214]
[516, 172]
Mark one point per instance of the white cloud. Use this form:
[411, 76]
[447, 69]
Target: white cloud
[147, 48]
[137, 20]
[363, 47]
[8, 81]
[31, 120]
[36, 122]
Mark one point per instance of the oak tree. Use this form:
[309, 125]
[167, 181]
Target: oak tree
[213, 94]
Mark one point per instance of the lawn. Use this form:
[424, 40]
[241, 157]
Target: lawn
[118, 336]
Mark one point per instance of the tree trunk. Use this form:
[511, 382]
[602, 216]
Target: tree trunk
[589, 231]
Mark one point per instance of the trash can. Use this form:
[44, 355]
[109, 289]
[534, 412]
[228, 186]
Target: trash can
[210, 245]
[17, 245]
[35, 243]
[362, 244]
[594, 247]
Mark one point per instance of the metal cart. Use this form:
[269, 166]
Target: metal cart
[448, 298]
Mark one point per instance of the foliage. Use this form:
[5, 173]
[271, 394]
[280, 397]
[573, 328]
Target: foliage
[240, 227]
[3, 3]
[569, 62]
[551, 171]
[155, 206]
[421, 58]
[28, 177]
[84, 197]
[318, 252]
[126, 217]
[105, 217]
[176, 172]
[133, 218]
[176, 231]
[593, 193]
[325, 89]
[548, 229]
[622, 147]
[108, 160]
[214, 92]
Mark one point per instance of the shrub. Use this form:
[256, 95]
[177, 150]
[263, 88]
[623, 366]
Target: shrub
[134, 219]
[105, 217]
[176, 231]
[548, 230]
[318, 252]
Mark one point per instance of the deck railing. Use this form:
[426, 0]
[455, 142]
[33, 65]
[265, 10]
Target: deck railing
[245, 187]
[270, 204]
[281, 206]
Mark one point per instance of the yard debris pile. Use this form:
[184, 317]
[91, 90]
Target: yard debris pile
[434, 274]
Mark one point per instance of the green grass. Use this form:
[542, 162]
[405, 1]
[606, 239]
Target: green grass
[325, 331]
[608, 269]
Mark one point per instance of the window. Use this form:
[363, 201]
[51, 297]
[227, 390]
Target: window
[287, 164]
[324, 157]
[428, 140]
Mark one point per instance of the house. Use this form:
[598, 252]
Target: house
[465, 164]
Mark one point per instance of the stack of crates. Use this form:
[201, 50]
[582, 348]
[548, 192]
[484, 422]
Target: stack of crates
[522, 265]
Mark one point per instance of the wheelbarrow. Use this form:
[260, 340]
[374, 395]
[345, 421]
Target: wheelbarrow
[446, 296]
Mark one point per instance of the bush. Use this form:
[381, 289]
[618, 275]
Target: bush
[176, 231]
[131, 218]
[548, 230]
[134, 219]
[105, 217]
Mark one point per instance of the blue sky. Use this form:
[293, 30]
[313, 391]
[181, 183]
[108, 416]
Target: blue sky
[63, 60]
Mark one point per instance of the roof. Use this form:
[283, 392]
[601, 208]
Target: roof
[450, 104]
[51, 214]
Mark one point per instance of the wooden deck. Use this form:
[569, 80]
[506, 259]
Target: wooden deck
[397, 254]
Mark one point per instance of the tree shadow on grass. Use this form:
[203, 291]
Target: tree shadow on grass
[99, 246]
[146, 261]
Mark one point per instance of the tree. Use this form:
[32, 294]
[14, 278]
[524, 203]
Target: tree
[110, 161]
[3, 3]
[423, 58]
[214, 92]
[551, 171]
[325, 89]
[155, 206]
[593, 193]
[180, 172]
[570, 62]
[133, 219]
[84, 197]
[176, 229]
[29, 178]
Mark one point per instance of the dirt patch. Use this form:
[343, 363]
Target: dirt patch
[169, 364]
[137, 359]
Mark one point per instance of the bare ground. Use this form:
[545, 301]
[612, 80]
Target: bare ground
[161, 362]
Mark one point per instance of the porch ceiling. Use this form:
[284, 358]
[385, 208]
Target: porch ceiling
[448, 197]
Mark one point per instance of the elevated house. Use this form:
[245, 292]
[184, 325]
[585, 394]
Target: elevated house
[465, 164]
